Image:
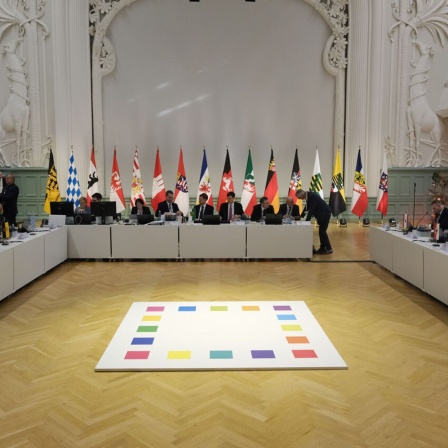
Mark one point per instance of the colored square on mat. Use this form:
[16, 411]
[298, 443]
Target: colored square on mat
[250, 308]
[304, 354]
[219, 308]
[262, 354]
[286, 317]
[136, 355]
[155, 308]
[187, 308]
[185, 354]
[291, 328]
[142, 341]
[282, 308]
[151, 318]
[221, 354]
[297, 340]
[147, 329]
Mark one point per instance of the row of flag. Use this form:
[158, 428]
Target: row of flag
[337, 200]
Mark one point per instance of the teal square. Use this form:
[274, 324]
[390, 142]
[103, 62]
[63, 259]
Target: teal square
[221, 354]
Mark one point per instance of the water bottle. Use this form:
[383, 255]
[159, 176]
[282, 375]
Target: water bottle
[13, 231]
[32, 222]
[159, 216]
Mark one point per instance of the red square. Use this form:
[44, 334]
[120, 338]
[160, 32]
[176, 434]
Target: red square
[304, 354]
[137, 355]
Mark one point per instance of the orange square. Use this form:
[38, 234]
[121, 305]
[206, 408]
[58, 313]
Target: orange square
[297, 340]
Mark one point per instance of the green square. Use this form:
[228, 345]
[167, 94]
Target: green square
[219, 308]
[147, 329]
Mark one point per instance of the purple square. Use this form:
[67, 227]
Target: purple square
[282, 308]
[262, 354]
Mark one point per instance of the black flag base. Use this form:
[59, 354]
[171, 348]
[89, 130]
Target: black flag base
[342, 222]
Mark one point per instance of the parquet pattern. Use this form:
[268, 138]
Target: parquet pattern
[393, 337]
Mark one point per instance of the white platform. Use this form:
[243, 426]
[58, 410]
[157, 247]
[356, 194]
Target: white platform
[219, 336]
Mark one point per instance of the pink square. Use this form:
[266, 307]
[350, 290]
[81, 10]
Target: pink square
[155, 308]
[137, 355]
[304, 354]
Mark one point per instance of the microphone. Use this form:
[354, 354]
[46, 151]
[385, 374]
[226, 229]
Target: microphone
[422, 218]
[413, 209]
[411, 227]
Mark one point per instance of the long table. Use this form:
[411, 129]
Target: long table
[190, 241]
[223, 241]
[24, 260]
[415, 260]
[144, 241]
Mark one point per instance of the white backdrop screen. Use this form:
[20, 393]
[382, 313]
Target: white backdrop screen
[219, 73]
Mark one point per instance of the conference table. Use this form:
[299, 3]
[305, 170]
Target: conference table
[412, 257]
[191, 241]
[28, 256]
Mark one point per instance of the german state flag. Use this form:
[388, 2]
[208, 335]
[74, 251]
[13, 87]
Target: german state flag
[226, 182]
[52, 194]
[296, 181]
[337, 193]
[271, 190]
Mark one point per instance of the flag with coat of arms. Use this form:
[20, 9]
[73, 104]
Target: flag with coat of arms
[271, 189]
[249, 194]
[296, 181]
[181, 195]
[92, 183]
[204, 182]
[337, 194]
[137, 190]
[226, 182]
[158, 185]
[360, 200]
[316, 184]
[52, 189]
[116, 189]
[382, 200]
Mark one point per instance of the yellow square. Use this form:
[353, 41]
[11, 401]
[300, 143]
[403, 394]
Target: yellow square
[186, 354]
[153, 318]
[291, 328]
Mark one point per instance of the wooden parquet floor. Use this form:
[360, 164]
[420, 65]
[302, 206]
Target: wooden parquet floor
[393, 337]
